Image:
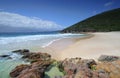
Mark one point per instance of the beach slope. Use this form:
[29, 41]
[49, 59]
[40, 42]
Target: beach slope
[107, 43]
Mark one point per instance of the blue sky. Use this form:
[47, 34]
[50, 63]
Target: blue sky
[61, 13]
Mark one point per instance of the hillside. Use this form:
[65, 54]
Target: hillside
[104, 22]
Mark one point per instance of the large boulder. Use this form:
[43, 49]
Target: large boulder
[30, 73]
[37, 56]
[18, 69]
[35, 70]
[81, 68]
[73, 66]
[112, 68]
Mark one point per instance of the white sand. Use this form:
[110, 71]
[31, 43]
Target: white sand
[107, 43]
[102, 43]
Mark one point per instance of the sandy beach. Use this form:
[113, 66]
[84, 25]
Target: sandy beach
[102, 43]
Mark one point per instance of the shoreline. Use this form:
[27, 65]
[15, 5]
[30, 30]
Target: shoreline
[89, 47]
[59, 45]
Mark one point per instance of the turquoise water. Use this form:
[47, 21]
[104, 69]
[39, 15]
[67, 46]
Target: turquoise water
[53, 71]
[7, 65]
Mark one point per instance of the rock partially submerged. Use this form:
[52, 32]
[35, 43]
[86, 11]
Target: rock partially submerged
[108, 58]
[18, 69]
[32, 56]
[21, 51]
[35, 70]
[40, 61]
[5, 56]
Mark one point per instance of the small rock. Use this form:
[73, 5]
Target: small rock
[4, 56]
[108, 58]
[23, 51]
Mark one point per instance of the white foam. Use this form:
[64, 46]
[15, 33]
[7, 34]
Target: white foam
[20, 42]
[15, 56]
[50, 42]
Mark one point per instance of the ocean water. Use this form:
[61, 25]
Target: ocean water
[14, 41]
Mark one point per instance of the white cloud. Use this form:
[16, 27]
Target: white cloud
[108, 4]
[17, 20]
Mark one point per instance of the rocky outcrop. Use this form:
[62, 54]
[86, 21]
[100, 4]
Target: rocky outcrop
[106, 67]
[108, 58]
[81, 68]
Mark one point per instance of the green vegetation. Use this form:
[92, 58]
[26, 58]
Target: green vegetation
[93, 67]
[104, 22]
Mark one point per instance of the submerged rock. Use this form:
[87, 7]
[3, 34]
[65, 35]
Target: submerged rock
[108, 58]
[5, 56]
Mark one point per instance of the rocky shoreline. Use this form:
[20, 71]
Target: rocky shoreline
[105, 67]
